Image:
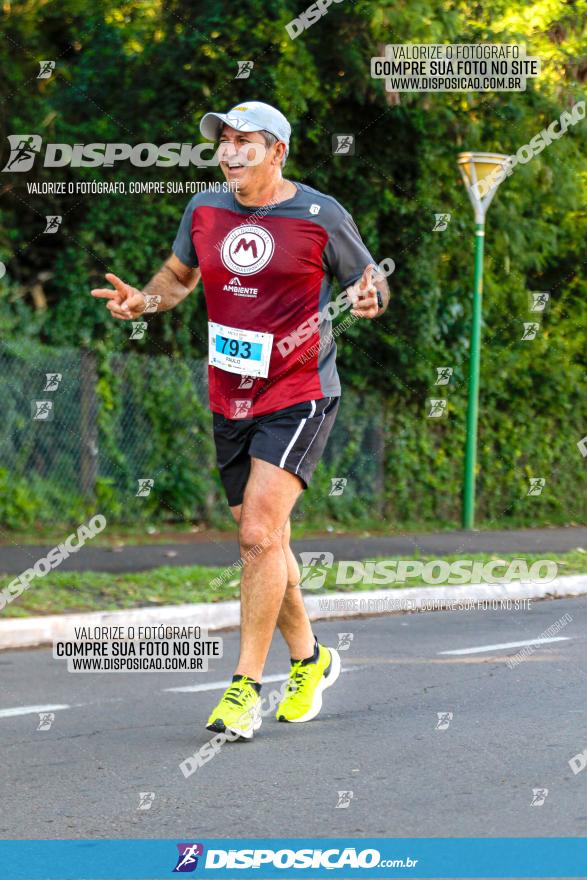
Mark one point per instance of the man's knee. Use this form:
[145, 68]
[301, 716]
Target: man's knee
[257, 536]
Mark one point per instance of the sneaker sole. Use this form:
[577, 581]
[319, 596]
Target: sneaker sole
[326, 682]
[219, 727]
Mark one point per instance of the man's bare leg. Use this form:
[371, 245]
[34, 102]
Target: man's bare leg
[293, 621]
[269, 498]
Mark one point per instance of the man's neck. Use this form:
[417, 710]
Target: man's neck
[270, 194]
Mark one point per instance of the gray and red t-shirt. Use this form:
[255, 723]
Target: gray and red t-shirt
[269, 270]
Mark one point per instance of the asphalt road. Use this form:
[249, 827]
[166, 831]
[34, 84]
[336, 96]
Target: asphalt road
[15, 558]
[512, 730]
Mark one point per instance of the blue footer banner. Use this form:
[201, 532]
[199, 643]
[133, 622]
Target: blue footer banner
[293, 857]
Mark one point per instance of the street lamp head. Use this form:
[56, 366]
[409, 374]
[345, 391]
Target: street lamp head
[482, 173]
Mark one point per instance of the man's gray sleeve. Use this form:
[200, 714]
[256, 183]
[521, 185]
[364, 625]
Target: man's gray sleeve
[183, 246]
[346, 254]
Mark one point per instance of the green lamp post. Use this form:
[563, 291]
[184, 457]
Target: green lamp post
[482, 173]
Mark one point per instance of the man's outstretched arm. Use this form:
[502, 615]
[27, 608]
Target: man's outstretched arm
[168, 287]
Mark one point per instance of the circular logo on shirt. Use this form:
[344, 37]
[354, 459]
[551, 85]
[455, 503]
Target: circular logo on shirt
[247, 249]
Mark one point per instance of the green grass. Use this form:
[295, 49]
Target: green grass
[63, 592]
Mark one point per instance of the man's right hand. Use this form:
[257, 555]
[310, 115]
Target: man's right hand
[124, 302]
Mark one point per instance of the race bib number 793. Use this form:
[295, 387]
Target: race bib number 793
[246, 352]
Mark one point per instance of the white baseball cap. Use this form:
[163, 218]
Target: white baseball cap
[248, 116]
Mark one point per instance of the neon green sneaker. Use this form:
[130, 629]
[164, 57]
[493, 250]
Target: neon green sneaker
[306, 684]
[239, 711]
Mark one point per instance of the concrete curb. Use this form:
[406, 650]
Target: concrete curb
[30, 632]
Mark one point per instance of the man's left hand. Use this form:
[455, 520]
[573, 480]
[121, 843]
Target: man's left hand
[363, 295]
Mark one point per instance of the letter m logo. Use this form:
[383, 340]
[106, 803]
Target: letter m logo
[245, 245]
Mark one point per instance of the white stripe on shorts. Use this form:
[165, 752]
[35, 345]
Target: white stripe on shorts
[296, 435]
[315, 435]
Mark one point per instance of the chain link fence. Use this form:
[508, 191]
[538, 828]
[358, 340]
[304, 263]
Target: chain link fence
[130, 435]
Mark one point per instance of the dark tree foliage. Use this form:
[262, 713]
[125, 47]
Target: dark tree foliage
[146, 70]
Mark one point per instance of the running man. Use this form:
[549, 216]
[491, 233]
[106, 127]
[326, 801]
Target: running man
[267, 253]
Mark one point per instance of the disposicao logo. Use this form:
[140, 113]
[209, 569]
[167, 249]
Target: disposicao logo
[24, 149]
[187, 860]
[285, 858]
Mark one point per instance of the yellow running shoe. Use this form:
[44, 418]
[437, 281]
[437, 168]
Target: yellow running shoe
[306, 684]
[239, 711]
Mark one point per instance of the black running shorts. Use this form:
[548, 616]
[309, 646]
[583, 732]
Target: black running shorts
[292, 438]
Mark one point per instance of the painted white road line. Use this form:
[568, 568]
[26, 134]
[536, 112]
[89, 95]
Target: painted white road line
[221, 685]
[29, 710]
[505, 645]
